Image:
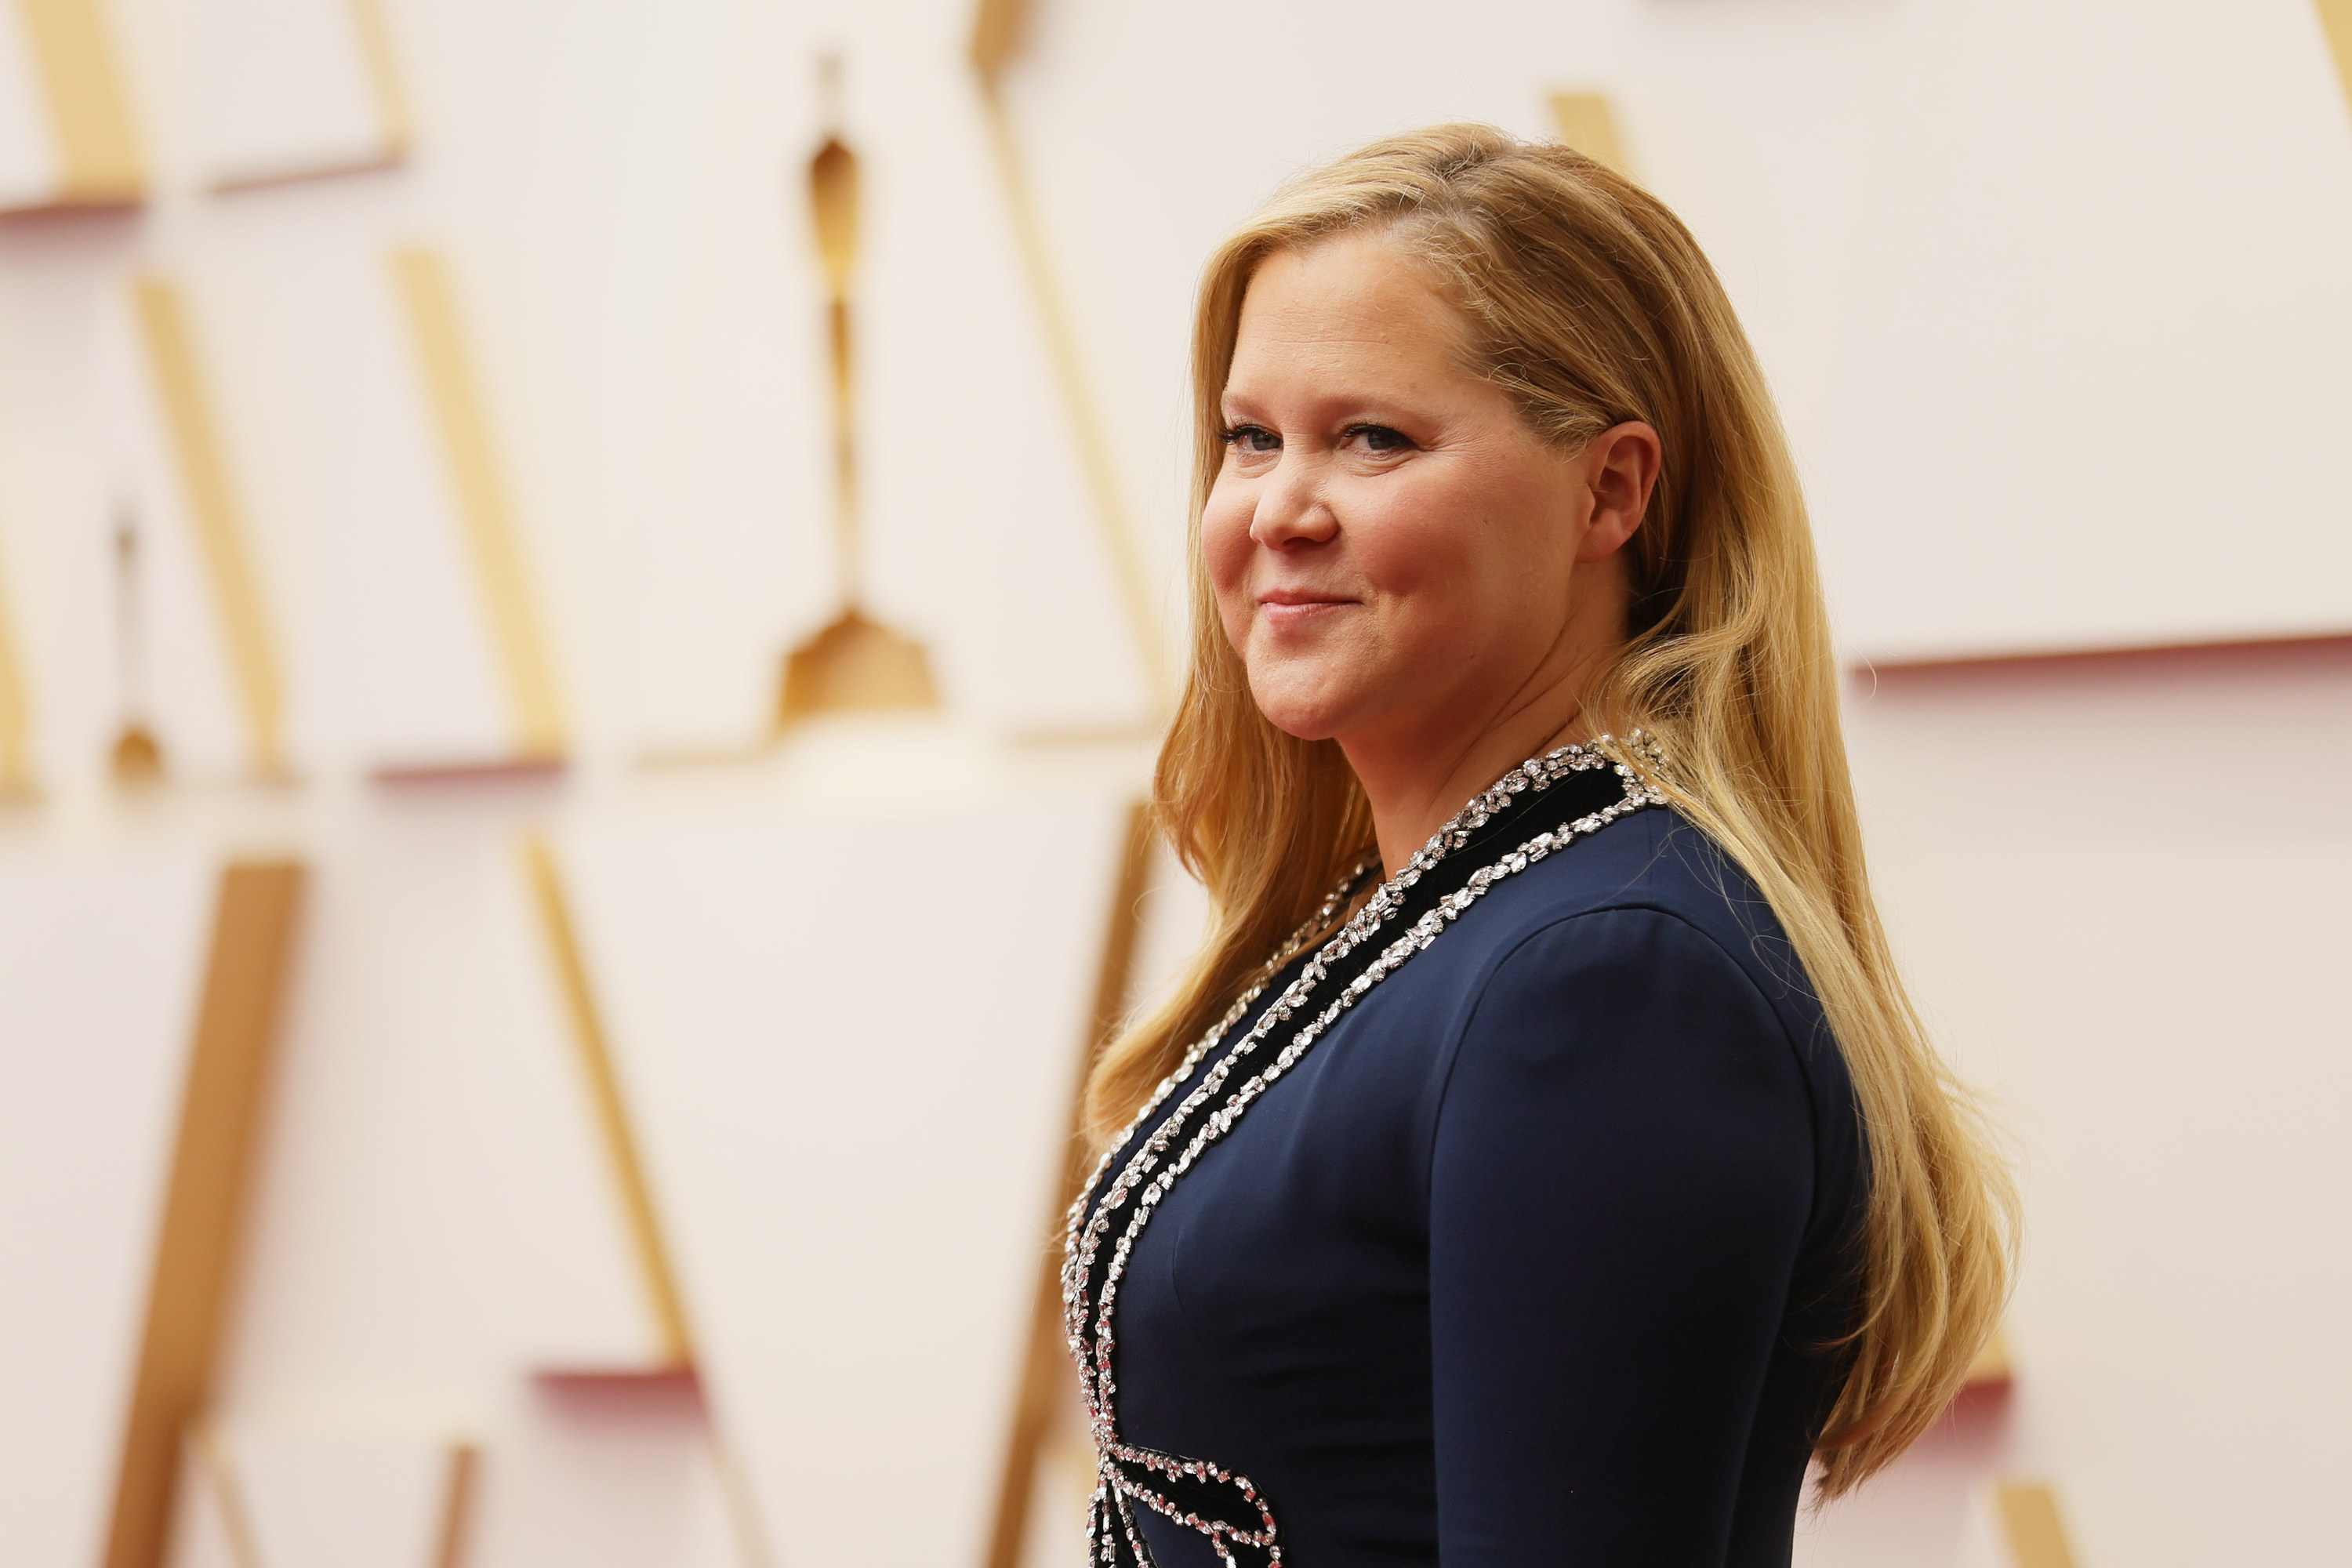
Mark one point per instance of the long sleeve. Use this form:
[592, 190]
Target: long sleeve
[1620, 1184]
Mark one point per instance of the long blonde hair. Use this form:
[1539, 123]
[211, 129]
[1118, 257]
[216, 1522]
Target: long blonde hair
[1591, 304]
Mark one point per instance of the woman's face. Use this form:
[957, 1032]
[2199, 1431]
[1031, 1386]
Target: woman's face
[1395, 555]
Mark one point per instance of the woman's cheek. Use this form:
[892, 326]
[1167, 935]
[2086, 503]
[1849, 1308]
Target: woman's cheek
[1225, 546]
[1394, 543]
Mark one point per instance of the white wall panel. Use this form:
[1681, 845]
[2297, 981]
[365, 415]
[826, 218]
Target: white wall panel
[2118, 894]
[280, 88]
[181, 667]
[2011, 293]
[321, 1500]
[59, 369]
[422, 667]
[980, 538]
[849, 1039]
[2008, 292]
[30, 162]
[376, 613]
[2098, 365]
[283, 304]
[436, 1216]
[623, 1479]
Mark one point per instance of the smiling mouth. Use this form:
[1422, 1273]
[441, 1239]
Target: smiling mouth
[1293, 609]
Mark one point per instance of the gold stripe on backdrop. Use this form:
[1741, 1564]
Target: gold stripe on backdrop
[996, 34]
[638, 1213]
[220, 527]
[1991, 1368]
[484, 511]
[195, 1248]
[383, 78]
[457, 1505]
[1048, 1378]
[1586, 122]
[2335, 18]
[15, 713]
[611, 1109]
[996, 29]
[2030, 1525]
[89, 114]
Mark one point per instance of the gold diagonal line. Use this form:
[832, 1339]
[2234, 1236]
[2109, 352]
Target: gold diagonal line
[995, 35]
[611, 1110]
[88, 112]
[1586, 122]
[457, 1489]
[1083, 407]
[638, 1213]
[742, 1506]
[1991, 1368]
[213, 506]
[996, 27]
[483, 509]
[196, 1248]
[2336, 19]
[2035, 1535]
[383, 78]
[1046, 1375]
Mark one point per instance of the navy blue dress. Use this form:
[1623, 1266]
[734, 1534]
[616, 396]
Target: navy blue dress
[1537, 1256]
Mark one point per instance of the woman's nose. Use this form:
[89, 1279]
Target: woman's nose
[1291, 511]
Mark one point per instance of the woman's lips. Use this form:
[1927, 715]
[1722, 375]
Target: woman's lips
[1285, 607]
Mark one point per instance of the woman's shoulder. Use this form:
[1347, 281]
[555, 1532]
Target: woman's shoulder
[1655, 860]
[1652, 892]
[1645, 956]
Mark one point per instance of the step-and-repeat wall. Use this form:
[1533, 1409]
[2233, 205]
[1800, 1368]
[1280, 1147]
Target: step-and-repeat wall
[584, 595]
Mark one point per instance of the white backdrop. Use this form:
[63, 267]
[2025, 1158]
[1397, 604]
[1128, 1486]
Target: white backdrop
[2052, 293]
[2053, 298]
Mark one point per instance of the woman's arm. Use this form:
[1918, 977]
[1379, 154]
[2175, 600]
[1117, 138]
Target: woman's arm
[1619, 1183]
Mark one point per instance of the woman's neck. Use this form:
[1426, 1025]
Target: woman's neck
[1418, 769]
[1416, 784]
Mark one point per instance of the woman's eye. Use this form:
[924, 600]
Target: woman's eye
[1255, 438]
[1380, 438]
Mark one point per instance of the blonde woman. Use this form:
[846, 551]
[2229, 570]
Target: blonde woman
[1541, 1162]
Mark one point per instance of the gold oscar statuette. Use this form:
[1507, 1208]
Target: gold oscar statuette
[854, 663]
[138, 757]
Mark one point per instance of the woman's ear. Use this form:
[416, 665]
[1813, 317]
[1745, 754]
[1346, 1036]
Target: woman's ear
[1621, 468]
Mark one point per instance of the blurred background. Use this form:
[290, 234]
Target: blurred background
[586, 588]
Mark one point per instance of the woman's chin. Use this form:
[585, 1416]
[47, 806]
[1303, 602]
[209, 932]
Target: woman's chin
[1308, 716]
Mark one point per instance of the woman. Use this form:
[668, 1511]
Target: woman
[1540, 1163]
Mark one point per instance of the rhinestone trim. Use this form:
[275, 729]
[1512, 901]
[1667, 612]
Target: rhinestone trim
[1132, 1474]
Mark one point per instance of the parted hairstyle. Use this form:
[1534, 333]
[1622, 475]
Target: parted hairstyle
[1590, 304]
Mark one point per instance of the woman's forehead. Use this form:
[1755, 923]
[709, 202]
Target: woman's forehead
[1345, 308]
